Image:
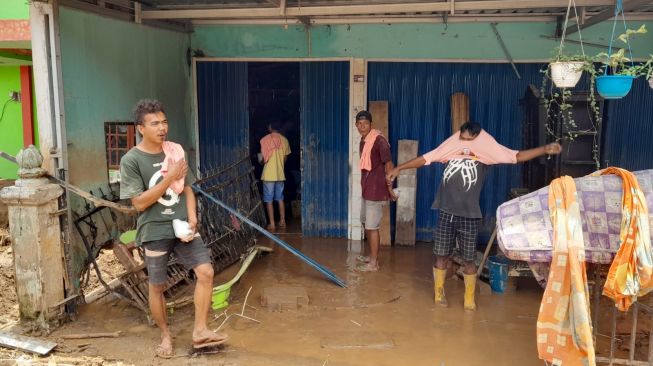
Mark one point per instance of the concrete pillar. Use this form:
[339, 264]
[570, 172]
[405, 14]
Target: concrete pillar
[36, 240]
[358, 102]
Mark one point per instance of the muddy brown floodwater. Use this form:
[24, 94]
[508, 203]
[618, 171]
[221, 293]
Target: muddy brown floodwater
[382, 318]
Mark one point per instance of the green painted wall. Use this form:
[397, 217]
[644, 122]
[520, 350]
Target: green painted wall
[11, 124]
[470, 41]
[14, 9]
[107, 66]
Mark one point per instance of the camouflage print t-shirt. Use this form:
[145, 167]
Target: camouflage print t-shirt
[140, 171]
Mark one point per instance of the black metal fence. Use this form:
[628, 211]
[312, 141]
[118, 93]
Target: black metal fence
[235, 185]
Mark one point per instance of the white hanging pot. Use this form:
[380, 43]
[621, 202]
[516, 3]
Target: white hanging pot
[650, 82]
[566, 74]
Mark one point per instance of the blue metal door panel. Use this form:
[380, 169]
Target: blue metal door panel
[325, 148]
[222, 99]
[419, 102]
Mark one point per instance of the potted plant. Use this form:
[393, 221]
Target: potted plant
[624, 71]
[566, 71]
[649, 73]
[558, 103]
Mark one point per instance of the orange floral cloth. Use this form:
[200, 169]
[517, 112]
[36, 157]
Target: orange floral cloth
[631, 272]
[564, 329]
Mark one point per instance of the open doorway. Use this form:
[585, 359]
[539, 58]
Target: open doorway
[311, 99]
[274, 98]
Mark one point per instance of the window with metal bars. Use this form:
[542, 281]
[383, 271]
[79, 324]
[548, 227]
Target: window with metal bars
[119, 138]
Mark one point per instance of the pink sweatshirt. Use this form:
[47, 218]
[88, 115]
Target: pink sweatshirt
[484, 148]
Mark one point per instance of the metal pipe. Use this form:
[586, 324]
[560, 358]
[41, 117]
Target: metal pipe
[505, 49]
[330, 275]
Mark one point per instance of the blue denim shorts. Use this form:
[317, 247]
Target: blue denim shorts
[273, 191]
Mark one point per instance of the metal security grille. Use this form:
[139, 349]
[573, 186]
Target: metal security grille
[119, 137]
[235, 185]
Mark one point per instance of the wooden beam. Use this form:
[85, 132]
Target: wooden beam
[505, 49]
[292, 11]
[582, 16]
[379, 111]
[607, 14]
[282, 8]
[305, 20]
[138, 10]
[407, 186]
[459, 110]
[124, 15]
[525, 4]
[311, 11]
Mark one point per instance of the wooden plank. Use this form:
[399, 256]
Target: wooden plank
[459, 111]
[24, 343]
[370, 9]
[407, 186]
[358, 340]
[379, 110]
[92, 335]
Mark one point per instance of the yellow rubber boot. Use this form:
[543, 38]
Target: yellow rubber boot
[439, 276]
[470, 289]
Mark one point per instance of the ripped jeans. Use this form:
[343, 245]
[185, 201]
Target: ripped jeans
[157, 254]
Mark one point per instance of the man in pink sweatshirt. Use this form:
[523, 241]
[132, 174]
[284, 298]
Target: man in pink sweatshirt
[467, 155]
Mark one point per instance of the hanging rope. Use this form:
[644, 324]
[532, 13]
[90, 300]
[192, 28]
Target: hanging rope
[619, 9]
[564, 30]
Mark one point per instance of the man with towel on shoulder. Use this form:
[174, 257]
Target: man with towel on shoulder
[155, 177]
[468, 153]
[274, 153]
[375, 163]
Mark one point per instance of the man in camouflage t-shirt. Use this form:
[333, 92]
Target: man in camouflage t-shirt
[151, 193]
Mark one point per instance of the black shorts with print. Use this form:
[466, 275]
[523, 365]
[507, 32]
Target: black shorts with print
[157, 254]
[452, 229]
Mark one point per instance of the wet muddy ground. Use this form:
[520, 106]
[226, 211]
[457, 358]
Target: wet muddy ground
[382, 318]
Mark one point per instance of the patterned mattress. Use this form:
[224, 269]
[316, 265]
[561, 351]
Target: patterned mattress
[524, 229]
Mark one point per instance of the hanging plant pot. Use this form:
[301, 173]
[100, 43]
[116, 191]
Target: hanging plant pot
[614, 86]
[650, 82]
[566, 74]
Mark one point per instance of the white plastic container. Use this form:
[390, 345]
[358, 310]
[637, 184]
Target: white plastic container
[566, 74]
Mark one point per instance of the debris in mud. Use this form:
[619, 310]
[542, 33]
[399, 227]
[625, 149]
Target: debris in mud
[5, 238]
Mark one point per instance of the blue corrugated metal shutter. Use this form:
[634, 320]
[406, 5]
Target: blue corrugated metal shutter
[419, 101]
[629, 129]
[325, 148]
[222, 96]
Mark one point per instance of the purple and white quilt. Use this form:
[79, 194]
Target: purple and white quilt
[524, 230]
